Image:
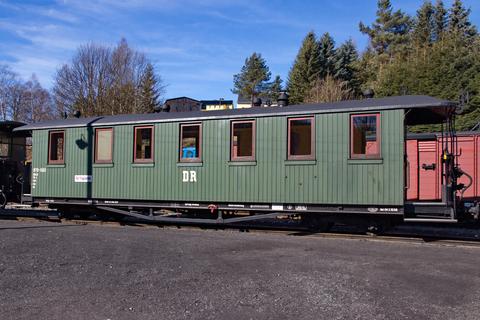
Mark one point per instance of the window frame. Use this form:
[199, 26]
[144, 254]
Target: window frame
[357, 156]
[200, 147]
[50, 133]
[135, 130]
[96, 145]
[312, 155]
[254, 138]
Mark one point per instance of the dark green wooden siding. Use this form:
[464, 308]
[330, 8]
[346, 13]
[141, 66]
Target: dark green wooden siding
[331, 179]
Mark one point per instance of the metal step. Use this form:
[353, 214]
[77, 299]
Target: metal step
[429, 211]
[26, 198]
[427, 204]
[430, 220]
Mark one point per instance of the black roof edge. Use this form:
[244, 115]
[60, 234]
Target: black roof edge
[10, 125]
[364, 105]
[434, 135]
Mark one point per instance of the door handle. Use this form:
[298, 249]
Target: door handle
[431, 166]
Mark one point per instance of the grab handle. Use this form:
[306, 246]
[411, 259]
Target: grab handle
[407, 173]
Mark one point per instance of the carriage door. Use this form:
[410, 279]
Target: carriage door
[428, 171]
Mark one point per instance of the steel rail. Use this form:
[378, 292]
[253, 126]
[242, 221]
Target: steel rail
[296, 230]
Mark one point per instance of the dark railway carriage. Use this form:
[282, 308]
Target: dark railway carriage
[302, 159]
[12, 156]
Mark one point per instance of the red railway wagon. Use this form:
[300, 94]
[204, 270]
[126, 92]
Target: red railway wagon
[424, 152]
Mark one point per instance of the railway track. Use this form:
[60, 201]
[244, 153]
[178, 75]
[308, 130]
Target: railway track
[407, 232]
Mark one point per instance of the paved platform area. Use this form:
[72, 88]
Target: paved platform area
[61, 271]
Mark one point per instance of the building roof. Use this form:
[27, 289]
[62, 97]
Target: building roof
[248, 100]
[179, 98]
[422, 109]
[215, 102]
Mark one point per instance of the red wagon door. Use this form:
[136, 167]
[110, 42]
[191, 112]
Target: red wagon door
[411, 171]
[428, 169]
[476, 177]
[466, 162]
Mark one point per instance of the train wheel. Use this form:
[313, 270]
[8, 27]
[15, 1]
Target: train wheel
[379, 227]
[316, 224]
[3, 200]
[64, 213]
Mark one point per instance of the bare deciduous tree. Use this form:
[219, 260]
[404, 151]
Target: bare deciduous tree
[16, 110]
[329, 90]
[101, 80]
[7, 79]
[83, 85]
[23, 101]
[37, 102]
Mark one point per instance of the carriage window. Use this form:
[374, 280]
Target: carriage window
[56, 146]
[190, 142]
[243, 141]
[4, 150]
[143, 144]
[364, 136]
[301, 145]
[104, 145]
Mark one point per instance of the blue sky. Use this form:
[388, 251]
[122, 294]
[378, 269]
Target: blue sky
[196, 46]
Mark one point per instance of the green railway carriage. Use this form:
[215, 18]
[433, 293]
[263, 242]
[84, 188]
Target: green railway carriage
[336, 157]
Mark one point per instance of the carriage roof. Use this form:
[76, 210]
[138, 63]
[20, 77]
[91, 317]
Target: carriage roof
[422, 109]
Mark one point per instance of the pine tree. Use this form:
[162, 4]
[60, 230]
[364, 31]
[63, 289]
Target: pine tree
[367, 67]
[449, 67]
[305, 69]
[423, 31]
[390, 31]
[253, 78]
[344, 67]
[459, 23]
[275, 88]
[326, 45]
[440, 20]
[449, 71]
[149, 91]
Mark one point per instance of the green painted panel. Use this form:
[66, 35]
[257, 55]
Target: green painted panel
[58, 180]
[331, 179]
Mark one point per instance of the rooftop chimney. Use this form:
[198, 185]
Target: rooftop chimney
[282, 99]
[257, 102]
[368, 93]
[166, 108]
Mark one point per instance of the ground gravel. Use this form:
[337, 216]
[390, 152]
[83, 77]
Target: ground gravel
[61, 271]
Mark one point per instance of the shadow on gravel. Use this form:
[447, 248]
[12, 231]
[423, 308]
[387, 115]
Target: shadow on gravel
[41, 227]
[440, 239]
[429, 239]
[304, 233]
